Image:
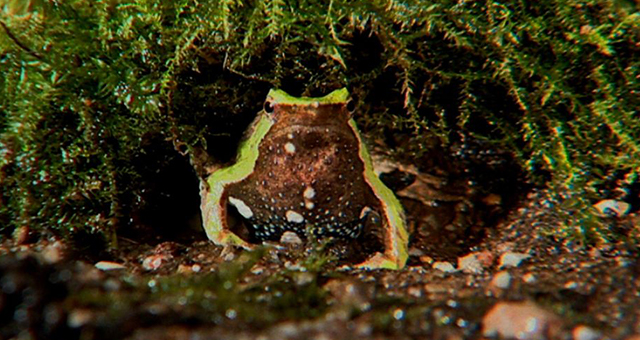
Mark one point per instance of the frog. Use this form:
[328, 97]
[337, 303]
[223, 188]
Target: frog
[303, 167]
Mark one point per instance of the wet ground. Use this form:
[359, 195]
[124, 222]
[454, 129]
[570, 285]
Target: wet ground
[518, 281]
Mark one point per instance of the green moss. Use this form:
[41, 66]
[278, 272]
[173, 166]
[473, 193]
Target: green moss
[230, 293]
[555, 83]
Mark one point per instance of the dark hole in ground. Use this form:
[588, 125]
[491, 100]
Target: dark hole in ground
[167, 206]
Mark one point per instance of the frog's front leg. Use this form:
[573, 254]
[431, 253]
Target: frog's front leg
[215, 215]
[394, 236]
[395, 240]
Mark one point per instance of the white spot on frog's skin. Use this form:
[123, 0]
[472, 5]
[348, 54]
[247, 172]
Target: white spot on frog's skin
[309, 193]
[294, 217]
[243, 209]
[309, 205]
[290, 135]
[290, 148]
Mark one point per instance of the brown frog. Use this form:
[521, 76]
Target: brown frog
[303, 168]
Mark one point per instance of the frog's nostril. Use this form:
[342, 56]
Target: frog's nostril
[268, 106]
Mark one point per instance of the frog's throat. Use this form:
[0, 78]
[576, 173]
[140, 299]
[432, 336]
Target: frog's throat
[213, 207]
[335, 97]
[396, 238]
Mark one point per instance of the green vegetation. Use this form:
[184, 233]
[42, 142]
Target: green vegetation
[97, 96]
[232, 293]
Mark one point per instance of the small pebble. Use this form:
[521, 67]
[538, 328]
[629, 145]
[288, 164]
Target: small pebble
[154, 262]
[184, 269]
[303, 278]
[444, 266]
[416, 252]
[426, 259]
[470, 264]
[257, 270]
[289, 237]
[108, 265]
[511, 259]
[79, 317]
[22, 235]
[53, 252]
[520, 320]
[529, 278]
[571, 285]
[414, 291]
[583, 332]
[501, 280]
[612, 208]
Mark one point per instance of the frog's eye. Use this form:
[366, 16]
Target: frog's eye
[268, 106]
[351, 106]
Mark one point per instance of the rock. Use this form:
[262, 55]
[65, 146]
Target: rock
[444, 266]
[501, 280]
[414, 291]
[521, 320]
[416, 252]
[108, 265]
[469, 264]
[583, 332]
[426, 259]
[303, 278]
[475, 263]
[289, 237]
[485, 257]
[79, 317]
[154, 262]
[511, 259]
[613, 208]
[505, 247]
[184, 269]
[22, 235]
[529, 278]
[53, 252]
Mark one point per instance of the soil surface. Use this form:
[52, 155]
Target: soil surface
[516, 281]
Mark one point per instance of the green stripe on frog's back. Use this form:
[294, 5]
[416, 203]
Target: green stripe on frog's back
[335, 97]
[393, 211]
[247, 157]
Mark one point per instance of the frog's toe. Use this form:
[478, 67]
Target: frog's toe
[381, 261]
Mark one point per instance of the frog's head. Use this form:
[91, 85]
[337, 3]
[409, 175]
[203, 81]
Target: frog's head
[334, 108]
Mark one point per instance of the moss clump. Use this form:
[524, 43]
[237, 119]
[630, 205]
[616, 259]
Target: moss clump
[231, 295]
[88, 88]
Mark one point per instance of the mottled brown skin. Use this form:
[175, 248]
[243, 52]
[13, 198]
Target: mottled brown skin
[308, 165]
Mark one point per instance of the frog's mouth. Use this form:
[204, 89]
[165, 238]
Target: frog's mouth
[323, 129]
[327, 115]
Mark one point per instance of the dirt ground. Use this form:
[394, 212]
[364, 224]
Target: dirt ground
[516, 281]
